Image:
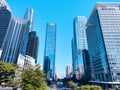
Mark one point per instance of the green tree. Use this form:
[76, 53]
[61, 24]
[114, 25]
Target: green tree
[7, 73]
[33, 79]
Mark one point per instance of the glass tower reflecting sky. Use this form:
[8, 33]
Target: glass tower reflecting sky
[79, 33]
[11, 33]
[29, 15]
[49, 52]
[14, 34]
[103, 34]
[5, 16]
[13, 40]
[74, 61]
[78, 44]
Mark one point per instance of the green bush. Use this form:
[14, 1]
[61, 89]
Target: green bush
[87, 87]
[95, 87]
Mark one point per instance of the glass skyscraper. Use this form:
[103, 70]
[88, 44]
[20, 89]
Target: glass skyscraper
[74, 61]
[29, 15]
[5, 16]
[14, 34]
[79, 33]
[33, 43]
[78, 44]
[103, 36]
[49, 52]
[13, 40]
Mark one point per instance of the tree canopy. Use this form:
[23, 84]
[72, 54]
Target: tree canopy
[7, 73]
[33, 79]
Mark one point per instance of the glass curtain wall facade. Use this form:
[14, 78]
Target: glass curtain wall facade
[74, 62]
[87, 66]
[79, 43]
[29, 16]
[5, 16]
[14, 34]
[79, 33]
[13, 41]
[103, 34]
[33, 43]
[49, 54]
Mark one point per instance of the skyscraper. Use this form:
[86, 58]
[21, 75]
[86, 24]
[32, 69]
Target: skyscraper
[79, 33]
[103, 34]
[87, 66]
[74, 60]
[14, 33]
[78, 44]
[11, 36]
[32, 47]
[5, 16]
[49, 52]
[29, 15]
[13, 40]
[14, 36]
[46, 66]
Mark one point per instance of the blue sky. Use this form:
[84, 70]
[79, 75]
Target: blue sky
[62, 12]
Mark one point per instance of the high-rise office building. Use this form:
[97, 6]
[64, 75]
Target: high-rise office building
[13, 41]
[12, 30]
[74, 60]
[29, 15]
[14, 36]
[5, 16]
[49, 52]
[78, 44]
[79, 33]
[33, 43]
[103, 36]
[86, 65]
[46, 66]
